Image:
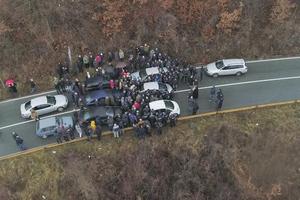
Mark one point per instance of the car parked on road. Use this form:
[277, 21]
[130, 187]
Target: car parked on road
[171, 107]
[95, 83]
[226, 67]
[162, 88]
[43, 105]
[99, 114]
[143, 74]
[48, 126]
[98, 98]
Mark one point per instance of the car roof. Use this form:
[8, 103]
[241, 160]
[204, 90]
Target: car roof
[97, 94]
[51, 121]
[152, 70]
[100, 111]
[46, 122]
[157, 105]
[38, 101]
[233, 62]
[151, 86]
[94, 80]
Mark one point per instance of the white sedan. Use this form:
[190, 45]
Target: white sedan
[163, 88]
[43, 105]
[169, 106]
[143, 74]
[226, 67]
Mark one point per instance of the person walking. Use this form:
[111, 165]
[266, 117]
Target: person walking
[116, 130]
[201, 73]
[32, 86]
[195, 108]
[98, 132]
[195, 92]
[212, 93]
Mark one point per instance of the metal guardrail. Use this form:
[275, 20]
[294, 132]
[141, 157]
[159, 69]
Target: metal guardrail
[109, 133]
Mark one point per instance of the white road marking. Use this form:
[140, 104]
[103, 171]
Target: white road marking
[29, 96]
[256, 61]
[29, 121]
[179, 91]
[250, 61]
[273, 59]
[243, 83]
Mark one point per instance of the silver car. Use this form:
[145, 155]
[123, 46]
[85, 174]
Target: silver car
[48, 126]
[226, 67]
[43, 105]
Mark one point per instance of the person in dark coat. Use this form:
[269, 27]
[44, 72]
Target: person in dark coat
[220, 104]
[173, 119]
[195, 92]
[201, 73]
[98, 132]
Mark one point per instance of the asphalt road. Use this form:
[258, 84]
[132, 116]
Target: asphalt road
[266, 82]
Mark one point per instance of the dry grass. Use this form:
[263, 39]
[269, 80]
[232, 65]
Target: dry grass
[246, 155]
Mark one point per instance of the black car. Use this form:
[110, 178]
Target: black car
[98, 98]
[99, 114]
[95, 83]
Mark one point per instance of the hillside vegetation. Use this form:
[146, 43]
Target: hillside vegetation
[35, 35]
[247, 155]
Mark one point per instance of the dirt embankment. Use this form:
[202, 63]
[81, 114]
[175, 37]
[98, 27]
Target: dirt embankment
[34, 35]
[248, 155]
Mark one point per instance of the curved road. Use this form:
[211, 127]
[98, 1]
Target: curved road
[267, 81]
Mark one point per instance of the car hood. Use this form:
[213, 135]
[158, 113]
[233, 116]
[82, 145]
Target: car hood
[169, 88]
[25, 113]
[135, 76]
[61, 100]
[211, 68]
[176, 108]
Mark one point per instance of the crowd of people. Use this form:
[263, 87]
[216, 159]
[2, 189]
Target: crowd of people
[116, 68]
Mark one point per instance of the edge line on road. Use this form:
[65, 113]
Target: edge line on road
[243, 83]
[249, 61]
[273, 59]
[28, 96]
[107, 133]
[179, 91]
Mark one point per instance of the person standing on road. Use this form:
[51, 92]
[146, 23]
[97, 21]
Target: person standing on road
[212, 94]
[201, 73]
[195, 92]
[220, 98]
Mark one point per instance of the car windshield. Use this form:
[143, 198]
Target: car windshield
[51, 100]
[169, 105]
[28, 105]
[143, 73]
[219, 64]
[162, 87]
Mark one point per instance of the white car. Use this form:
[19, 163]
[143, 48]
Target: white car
[143, 74]
[163, 88]
[43, 105]
[226, 67]
[165, 105]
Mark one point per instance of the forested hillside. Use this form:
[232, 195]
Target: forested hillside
[34, 35]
